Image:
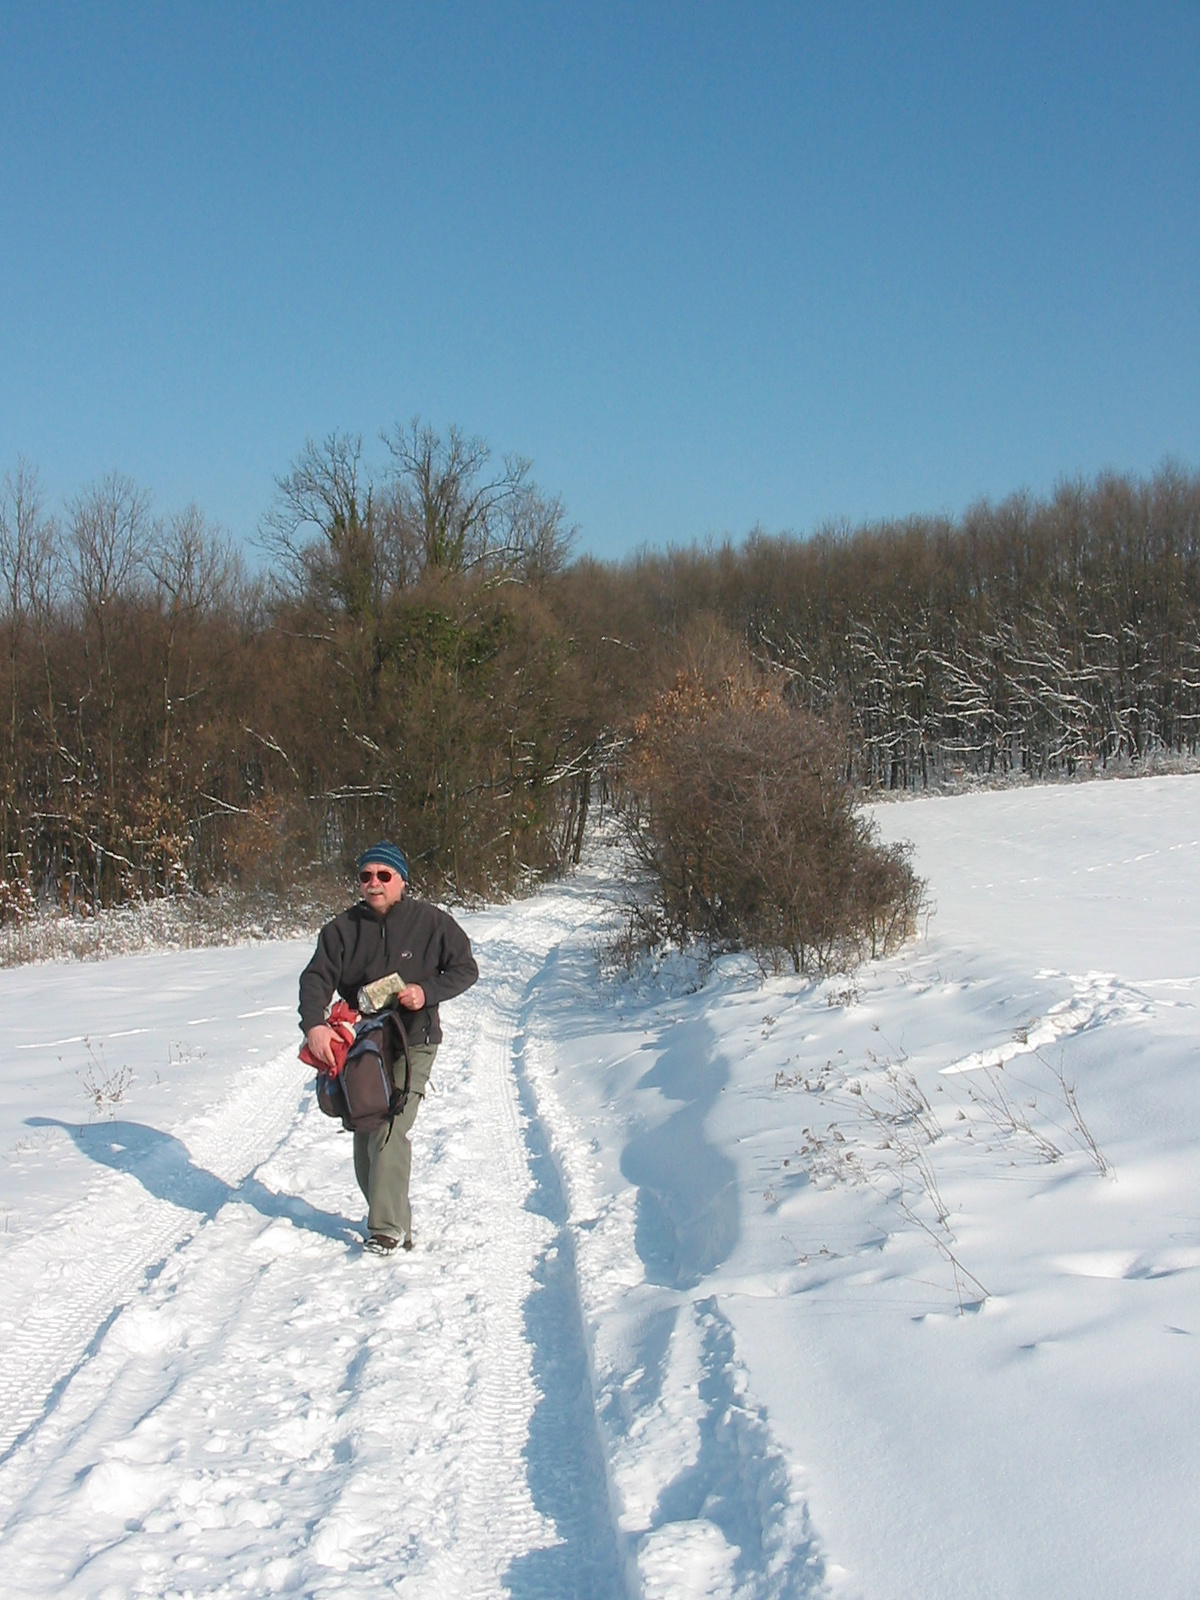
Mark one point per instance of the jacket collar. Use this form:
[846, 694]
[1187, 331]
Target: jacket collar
[364, 911]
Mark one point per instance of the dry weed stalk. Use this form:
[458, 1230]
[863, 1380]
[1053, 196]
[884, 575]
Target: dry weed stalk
[1007, 1117]
[1082, 1130]
[104, 1086]
[908, 1127]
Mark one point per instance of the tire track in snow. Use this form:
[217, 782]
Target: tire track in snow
[71, 1278]
[487, 1216]
[567, 1469]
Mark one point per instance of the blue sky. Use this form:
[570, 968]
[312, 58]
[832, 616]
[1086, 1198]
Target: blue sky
[709, 266]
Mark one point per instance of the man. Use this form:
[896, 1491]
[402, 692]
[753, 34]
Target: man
[385, 933]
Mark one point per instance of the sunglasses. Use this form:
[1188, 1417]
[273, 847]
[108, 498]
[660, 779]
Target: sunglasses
[371, 874]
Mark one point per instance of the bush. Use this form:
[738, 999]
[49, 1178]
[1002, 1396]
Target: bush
[741, 812]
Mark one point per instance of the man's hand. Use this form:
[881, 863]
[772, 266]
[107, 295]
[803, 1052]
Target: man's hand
[412, 997]
[320, 1042]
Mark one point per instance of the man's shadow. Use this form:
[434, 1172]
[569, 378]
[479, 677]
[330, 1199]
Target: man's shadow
[161, 1164]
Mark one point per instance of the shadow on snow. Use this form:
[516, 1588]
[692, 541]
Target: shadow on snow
[163, 1166]
[688, 1213]
[563, 1455]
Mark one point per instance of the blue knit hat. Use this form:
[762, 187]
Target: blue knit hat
[385, 854]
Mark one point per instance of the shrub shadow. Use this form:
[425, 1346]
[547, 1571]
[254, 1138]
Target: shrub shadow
[688, 1210]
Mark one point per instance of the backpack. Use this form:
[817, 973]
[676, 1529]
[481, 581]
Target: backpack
[364, 1094]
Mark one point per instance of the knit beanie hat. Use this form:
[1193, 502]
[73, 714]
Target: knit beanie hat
[385, 854]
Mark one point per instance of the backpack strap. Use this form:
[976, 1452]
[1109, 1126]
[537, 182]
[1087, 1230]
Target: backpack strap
[400, 1097]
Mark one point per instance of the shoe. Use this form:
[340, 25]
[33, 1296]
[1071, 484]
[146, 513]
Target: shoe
[382, 1244]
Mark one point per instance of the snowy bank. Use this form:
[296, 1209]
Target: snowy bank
[945, 1216]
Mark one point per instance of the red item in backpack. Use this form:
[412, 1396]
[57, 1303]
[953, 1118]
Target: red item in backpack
[342, 1019]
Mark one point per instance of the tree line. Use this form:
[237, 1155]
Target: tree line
[420, 654]
[1037, 636]
[176, 721]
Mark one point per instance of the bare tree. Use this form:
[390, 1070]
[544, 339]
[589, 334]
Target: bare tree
[26, 542]
[22, 536]
[109, 530]
[322, 528]
[109, 526]
[539, 537]
[194, 568]
[442, 494]
[456, 513]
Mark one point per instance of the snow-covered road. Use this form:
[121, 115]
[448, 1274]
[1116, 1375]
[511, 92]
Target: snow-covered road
[209, 1389]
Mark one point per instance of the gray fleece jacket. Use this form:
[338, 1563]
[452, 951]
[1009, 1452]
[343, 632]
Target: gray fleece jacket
[419, 941]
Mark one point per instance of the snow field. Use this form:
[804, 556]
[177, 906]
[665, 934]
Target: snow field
[874, 1286]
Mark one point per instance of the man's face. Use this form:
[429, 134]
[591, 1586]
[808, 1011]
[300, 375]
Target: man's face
[380, 886]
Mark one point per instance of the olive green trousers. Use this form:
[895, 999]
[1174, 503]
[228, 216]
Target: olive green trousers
[383, 1158]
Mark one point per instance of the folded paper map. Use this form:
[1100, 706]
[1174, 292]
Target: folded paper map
[382, 993]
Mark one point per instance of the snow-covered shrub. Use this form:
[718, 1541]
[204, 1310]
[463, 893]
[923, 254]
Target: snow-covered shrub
[742, 816]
